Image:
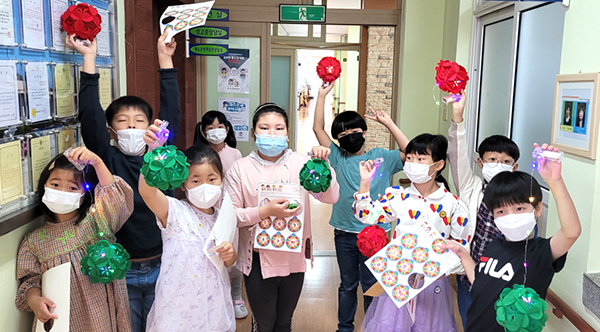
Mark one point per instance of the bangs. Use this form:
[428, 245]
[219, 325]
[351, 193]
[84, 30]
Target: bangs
[418, 147]
[508, 188]
[345, 121]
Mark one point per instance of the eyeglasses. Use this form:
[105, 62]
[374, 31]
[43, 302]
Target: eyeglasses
[495, 163]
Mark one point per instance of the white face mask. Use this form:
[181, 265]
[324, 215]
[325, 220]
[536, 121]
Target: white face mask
[417, 173]
[131, 141]
[204, 196]
[490, 170]
[61, 202]
[516, 226]
[216, 136]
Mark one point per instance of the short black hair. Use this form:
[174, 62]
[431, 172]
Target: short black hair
[207, 119]
[197, 155]
[434, 145]
[500, 144]
[345, 121]
[269, 108]
[508, 188]
[61, 162]
[126, 102]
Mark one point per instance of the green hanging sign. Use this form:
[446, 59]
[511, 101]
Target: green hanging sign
[210, 32]
[216, 14]
[208, 49]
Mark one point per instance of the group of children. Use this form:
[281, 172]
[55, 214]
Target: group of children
[173, 286]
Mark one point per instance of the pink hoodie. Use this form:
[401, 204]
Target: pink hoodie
[242, 181]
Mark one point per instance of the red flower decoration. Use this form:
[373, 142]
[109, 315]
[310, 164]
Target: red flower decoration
[451, 77]
[371, 239]
[329, 69]
[82, 20]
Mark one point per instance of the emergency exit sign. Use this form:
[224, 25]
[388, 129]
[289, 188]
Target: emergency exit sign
[302, 13]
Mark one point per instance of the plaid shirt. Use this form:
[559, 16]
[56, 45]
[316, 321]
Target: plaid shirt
[485, 232]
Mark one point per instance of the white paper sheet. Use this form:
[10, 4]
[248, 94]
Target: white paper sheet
[56, 286]
[57, 8]
[33, 23]
[411, 262]
[103, 37]
[7, 28]
[38, 94]
[184, 17]
[223, 231]
[9, 107]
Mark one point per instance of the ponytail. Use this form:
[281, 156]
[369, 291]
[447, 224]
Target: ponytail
[207, 119]
[441, 179]
[230, 139]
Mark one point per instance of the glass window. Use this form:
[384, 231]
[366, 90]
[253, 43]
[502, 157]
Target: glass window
[344, 4]
[292, 30]
[494, 95]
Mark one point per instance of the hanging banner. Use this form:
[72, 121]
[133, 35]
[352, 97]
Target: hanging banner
[207, 49]
[209, 32]
[234, 71]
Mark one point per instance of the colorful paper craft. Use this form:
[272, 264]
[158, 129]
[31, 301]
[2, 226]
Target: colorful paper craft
[276, 233]
[184, 17]
[411, 262]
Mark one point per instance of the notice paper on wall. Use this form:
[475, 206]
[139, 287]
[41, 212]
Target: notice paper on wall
[33, 24]
[38, 93]
[237, 112]
[7, 27]
[65, 92]
[9, 107]
[57, 8]
[11, 175]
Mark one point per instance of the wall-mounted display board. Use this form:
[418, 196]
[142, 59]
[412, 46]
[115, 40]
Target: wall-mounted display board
[39, 83]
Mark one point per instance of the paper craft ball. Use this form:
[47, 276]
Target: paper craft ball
[315, 176]
[451, 77]
[165, 168]
[329, 69]
[82, 20]
[371, 239]
[521, 309]
[105, 262]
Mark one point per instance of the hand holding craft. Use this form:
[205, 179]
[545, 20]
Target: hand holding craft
[452, 78]
[105, 262]
[165, 168]
[278, 207]
[329, 70]
[82, 20]
[315, 175]
[521, 310]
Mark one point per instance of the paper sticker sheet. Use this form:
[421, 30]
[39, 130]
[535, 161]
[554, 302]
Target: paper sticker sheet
[282, 234]
[184, 17]
[411, 262]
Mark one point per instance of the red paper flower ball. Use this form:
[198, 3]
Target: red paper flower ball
[371, 239]
[451, 77]
[329, 69]
[82, 20]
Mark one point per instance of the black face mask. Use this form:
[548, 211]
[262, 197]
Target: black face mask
[352, 142]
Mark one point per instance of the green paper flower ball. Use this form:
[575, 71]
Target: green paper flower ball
[105, 262]
[165, 168]
[521, 310]
[315, 176]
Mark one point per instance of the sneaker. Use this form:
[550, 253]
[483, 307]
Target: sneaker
[239, 307]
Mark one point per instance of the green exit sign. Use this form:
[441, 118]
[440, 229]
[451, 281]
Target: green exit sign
[302, 13]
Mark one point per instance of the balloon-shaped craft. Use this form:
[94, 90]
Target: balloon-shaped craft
[329, 70]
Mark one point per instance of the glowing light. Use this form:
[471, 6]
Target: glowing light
[531, 199]
[103, 255]
[101, 234]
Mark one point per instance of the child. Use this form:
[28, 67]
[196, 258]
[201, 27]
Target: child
[73, 222]
[516, 201]
[497, 154]
[216, 131]
[273, 278]
[191, 293]
[128, 118]
[349, 129]
[425, 160]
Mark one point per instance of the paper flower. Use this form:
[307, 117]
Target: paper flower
[371, 239]
[105, 262]
[329, 69]
[82, 20]
[165, 168]
[521, 310]
[315, 176]
[451, 77]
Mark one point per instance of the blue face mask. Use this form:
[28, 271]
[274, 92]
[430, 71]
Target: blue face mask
[271, 145]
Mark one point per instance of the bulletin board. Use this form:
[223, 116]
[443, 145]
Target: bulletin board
[39, 83]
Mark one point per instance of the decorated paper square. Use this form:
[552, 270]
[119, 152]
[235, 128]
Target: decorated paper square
[275, 233]
[411, 262]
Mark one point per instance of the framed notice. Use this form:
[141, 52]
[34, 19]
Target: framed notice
[11, 175]
[9, 94]
[38, 91]
[64, 91]
[33, 24]
[7, 25]
[575, 118]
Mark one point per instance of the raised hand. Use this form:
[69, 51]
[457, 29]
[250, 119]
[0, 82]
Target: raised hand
[550, 170]
[324, 90]
[379, 116]
[83, 156]
[83, 47]
[165, 51]
[154, 136]
[367, 170]
[458, 107]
